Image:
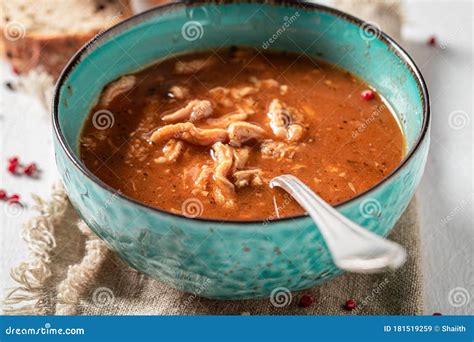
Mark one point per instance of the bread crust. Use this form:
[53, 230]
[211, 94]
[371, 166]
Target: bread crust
[51, 52]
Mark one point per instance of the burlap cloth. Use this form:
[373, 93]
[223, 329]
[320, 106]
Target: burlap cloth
[71, 271]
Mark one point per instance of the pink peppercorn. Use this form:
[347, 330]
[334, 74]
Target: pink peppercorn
[306, 300]
[13, 164]
[30, 169]
[15, 198]
[350, 304]
[367, 95]
[432, 41]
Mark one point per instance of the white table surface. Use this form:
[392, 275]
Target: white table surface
[445, 194]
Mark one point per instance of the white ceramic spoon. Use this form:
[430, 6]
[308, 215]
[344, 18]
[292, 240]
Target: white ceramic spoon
[353, 248]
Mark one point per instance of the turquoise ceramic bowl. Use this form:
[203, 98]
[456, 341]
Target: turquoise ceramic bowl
[235, 259]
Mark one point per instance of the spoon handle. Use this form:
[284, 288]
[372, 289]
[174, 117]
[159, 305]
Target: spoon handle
[353, 248]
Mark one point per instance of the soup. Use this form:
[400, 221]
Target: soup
[210, 129]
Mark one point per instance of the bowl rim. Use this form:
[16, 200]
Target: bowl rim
[306, 5]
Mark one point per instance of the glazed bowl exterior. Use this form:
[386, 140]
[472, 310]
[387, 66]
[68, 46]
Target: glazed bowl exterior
[232, 259]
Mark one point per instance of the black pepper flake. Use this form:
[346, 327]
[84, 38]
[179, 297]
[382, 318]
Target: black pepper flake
[232, 50]
[10, 86]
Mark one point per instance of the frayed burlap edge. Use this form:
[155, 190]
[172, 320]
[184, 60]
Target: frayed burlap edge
[30, 297]
[80, 276]
[34, 294]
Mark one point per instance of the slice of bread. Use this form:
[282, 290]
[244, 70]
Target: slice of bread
[47, 33]
[143, 5]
